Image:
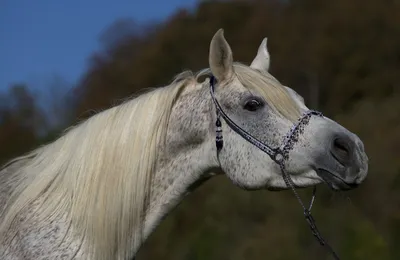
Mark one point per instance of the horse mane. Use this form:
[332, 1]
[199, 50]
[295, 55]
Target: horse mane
[100, 170]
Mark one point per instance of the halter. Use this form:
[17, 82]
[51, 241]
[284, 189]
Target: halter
[279, 155]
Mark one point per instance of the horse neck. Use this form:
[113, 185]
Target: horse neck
[183, 161]
[187, 160]
[172, 182]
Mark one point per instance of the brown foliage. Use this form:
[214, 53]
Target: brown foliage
[19, 122]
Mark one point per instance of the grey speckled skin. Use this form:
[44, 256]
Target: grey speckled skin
[190, 157]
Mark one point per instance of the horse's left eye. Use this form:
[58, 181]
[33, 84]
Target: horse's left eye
[253, 105]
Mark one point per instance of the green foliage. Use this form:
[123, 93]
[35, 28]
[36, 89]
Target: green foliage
[342, 56]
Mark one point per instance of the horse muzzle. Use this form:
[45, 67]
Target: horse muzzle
[344, 165]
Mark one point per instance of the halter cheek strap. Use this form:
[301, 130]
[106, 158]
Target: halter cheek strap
[279, 154]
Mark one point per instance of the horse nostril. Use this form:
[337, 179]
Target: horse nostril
[341, 149]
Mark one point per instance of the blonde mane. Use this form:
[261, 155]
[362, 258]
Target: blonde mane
[267, 86]
[100, 170]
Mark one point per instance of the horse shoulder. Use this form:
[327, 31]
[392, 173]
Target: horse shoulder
[36, 239]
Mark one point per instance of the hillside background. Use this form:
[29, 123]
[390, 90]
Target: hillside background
[343, 56]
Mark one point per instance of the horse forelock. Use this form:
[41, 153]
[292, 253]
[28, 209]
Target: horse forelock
[266, 85]
[270, 88]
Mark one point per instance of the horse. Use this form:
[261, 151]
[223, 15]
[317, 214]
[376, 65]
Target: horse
[101, 188]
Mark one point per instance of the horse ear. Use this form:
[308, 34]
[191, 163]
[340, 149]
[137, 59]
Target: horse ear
[220, 57]
[262, 60]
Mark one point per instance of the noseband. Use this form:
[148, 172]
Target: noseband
[278, 154]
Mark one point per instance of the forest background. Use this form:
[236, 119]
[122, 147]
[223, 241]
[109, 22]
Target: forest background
[342, 56]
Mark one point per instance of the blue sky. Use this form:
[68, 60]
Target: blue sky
[40, 39]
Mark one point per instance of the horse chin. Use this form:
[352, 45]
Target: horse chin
[282, 186]
[334, 181]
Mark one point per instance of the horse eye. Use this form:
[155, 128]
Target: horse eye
[253, 105]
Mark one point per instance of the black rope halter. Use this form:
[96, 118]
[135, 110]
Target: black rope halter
[279, 155]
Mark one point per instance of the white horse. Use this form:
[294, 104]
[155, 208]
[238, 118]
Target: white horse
[99, 190]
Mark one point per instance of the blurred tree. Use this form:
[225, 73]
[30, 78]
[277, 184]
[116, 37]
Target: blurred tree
[342, 56]
[19, 121]
[59, 104]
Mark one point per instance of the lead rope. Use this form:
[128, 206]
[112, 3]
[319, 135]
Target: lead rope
[307, 212]
[279, 155]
